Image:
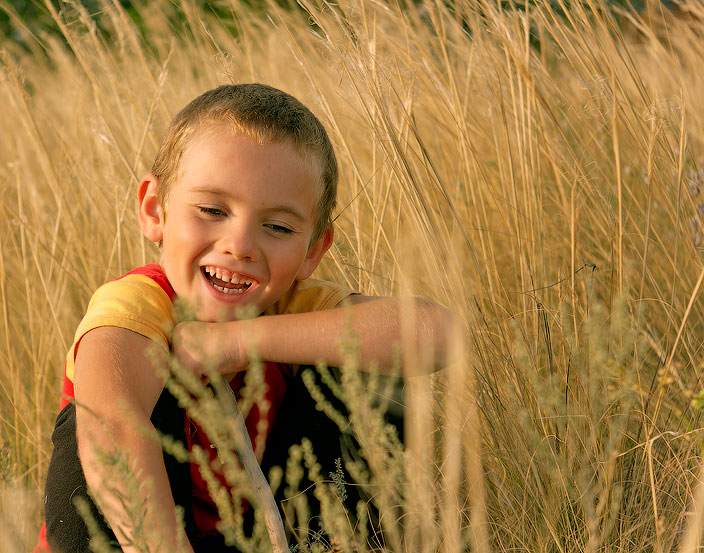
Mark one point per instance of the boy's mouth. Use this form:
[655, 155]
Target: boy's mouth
[224, 281]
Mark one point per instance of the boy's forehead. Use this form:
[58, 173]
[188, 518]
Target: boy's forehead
[206, 136]
[211, 165]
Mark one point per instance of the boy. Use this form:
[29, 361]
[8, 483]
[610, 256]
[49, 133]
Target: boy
[240, 199]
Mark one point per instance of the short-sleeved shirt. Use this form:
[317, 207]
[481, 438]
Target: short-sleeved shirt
[142, 301]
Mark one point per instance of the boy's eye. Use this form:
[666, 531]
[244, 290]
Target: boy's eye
[279, 229]
[212, 211]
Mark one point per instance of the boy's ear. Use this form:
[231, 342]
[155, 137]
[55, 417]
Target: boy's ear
[315, 254]
[150, 211]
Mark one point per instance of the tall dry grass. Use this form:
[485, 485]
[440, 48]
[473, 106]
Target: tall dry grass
[536, 168]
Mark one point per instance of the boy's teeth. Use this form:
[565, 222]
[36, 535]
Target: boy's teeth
[219, 274]
[228, 290]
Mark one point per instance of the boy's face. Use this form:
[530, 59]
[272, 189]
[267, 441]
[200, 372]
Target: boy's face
[238, 223]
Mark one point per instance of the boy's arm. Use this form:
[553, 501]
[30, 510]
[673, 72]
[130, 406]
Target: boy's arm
[116, 388]
[419, 325]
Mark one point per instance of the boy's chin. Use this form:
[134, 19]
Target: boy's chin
[208, 316]
[224, 315]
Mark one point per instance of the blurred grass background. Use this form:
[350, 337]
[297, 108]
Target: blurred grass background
[536, 167]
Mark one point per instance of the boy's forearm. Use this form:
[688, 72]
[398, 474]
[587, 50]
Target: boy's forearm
[142, 456]
[379, 327]
[116, 389]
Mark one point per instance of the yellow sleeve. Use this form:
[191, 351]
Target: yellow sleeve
[310, 295]
[134, 302]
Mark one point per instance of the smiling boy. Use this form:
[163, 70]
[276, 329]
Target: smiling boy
[240, 198]
[239, 226]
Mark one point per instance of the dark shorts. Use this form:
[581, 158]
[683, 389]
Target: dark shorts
[66, 530]
[297, 418]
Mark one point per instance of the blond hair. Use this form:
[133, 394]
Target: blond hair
[267, 115]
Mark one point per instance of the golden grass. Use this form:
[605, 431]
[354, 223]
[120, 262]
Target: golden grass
[538, 170]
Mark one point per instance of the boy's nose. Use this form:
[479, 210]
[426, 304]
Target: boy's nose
[239, 241]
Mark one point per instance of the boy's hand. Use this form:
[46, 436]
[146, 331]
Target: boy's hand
[216, 346]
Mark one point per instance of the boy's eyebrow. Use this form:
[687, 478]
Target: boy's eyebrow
[285, 209]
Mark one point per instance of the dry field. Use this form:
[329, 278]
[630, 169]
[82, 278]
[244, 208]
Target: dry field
[537, 168]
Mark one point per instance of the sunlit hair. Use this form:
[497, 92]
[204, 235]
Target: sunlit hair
[264, 113]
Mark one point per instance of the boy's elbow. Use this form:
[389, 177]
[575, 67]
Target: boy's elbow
[109, 437]
[93, 438]
[441, 329]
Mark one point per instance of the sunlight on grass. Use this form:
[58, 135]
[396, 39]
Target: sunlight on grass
[538, 170]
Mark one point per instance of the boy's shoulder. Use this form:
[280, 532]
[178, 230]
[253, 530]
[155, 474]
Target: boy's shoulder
[142, 293]
[152, 272]
[140, 300]
[308, 295]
